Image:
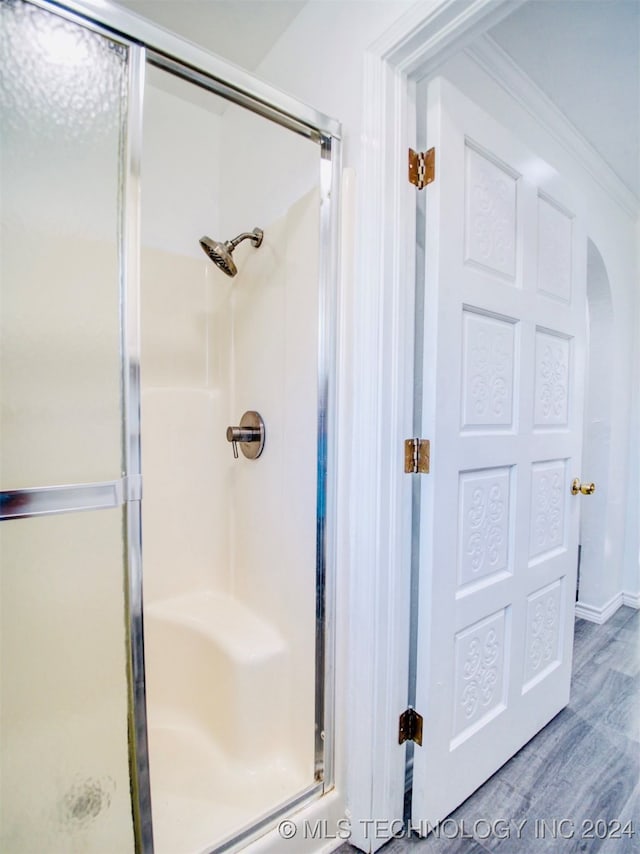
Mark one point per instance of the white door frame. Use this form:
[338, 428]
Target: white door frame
[380, 493]
[378, 547]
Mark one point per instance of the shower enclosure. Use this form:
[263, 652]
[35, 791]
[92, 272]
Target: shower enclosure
[167, 449]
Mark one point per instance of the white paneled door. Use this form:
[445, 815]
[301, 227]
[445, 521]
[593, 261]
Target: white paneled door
[503, 394]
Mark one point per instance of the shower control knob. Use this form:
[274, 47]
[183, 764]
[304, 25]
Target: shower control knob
[249, 434]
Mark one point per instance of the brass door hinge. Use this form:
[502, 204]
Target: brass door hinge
[422, 167]
[410, 727]
[417, 453]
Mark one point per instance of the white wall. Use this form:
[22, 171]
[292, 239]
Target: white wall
[631, 579]
[596, 449]
[264, 169]
[580, 40]
[319, 59]
[181, 165]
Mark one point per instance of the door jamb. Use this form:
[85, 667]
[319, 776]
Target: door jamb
[380, 492]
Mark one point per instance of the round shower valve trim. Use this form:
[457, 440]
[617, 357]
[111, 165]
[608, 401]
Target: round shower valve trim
[249, 434]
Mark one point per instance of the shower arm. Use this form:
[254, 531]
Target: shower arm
[254, 236]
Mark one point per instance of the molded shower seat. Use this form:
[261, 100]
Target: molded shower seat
[211, 665]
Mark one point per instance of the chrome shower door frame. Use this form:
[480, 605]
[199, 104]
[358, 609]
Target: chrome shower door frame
[150, 44]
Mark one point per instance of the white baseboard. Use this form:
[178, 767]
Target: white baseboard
[599, 615]
[631, 599]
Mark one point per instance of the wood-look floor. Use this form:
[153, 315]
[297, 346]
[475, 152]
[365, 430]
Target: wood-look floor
[583, 767]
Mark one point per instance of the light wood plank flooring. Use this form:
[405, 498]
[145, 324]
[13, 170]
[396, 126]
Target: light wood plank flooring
[583, 767]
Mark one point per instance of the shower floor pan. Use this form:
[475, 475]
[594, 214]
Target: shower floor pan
[217, 720]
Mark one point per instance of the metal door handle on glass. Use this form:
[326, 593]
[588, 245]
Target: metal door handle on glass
[249, 434]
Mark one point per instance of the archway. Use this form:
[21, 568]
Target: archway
[594, 554]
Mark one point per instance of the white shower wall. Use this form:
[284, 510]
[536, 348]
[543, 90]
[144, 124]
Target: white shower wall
[275, 323]
[184, 519]
[229, 546]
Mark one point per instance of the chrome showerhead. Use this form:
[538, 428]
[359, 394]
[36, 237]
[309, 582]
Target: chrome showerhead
[220, 253]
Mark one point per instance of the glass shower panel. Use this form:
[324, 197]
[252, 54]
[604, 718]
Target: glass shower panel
[229, 543]
[62, 102]
[64, 774]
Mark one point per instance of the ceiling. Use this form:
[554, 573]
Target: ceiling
[241, 31]
[583, 54]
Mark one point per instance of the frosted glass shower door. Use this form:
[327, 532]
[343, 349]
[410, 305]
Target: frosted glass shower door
[64, 765]
[64, 775]
[61, 93]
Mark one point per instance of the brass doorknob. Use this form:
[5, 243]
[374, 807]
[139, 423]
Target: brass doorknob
[584, 488]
